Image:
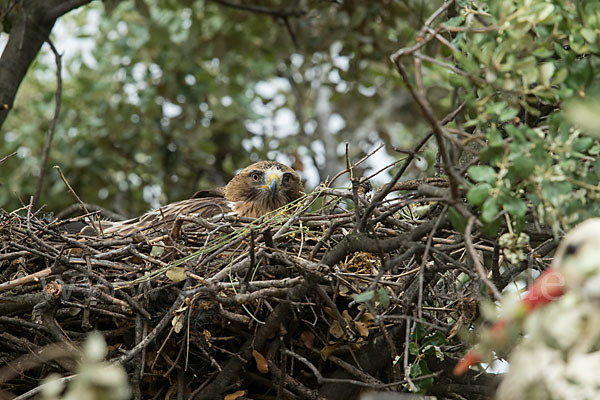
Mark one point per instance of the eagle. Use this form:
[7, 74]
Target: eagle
[255, 191]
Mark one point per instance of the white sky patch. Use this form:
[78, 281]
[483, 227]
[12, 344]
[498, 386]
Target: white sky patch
[319, 149]
[226, 101]
[341, 62]
[268, 89]
[335, 123]
[171, 110]
[285, 123]
[334, 76]
[134, 179]
[152, 194]
[131, 91]
[297, 60]
[310, 126]
[190, 79]
[71, 39]
[377, 162]
[138, 71]
[341, 87]
[367, 91]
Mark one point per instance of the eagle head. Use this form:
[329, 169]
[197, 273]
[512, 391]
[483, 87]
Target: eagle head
[263, 187]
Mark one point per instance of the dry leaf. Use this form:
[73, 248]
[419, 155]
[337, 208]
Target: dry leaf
[326, 352]
[346, 316]
[343, 290]
[362, 328]
[456, 327]
[234, 396]
[177, 322]
[176, 274]
[74, 251]
[367, 318]
[261, 362]
[308, 338]
[335, 329]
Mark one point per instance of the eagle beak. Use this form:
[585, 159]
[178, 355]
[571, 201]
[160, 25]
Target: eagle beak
[273, 184]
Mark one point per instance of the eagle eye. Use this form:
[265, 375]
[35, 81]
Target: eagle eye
[287, 178]
[255, 176]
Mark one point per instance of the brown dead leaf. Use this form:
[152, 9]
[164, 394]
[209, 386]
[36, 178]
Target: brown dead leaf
[367, 318]
[456, 327]
[236, 395]
[327, 351]
[344, 290]
[74, 251]
[335, 329]
[261, 362]
[362, 328]
[346, 316]
[308, 338]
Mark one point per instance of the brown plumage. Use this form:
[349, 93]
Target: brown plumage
[258, 189]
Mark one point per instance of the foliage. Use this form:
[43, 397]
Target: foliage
[177, 97]
[516, 64]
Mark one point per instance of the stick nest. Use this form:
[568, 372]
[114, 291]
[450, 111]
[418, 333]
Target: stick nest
[293, 305]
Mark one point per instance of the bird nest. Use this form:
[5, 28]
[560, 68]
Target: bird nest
[361, 294]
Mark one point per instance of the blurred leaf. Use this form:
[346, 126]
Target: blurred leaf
[478, 193]
[364, 296]
[514, 206]
[489, 209]
[458, 221]
[584, 114]
[437, 338]
[384, 299]
[482, 173]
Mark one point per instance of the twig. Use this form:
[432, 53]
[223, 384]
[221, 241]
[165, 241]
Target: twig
[98, 228]
[5, 157]
[473, 254]
[52, 127]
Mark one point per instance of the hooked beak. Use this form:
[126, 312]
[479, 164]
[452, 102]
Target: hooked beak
[273, 184]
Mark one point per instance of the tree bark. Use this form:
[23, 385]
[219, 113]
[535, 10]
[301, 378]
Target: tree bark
[32, 22]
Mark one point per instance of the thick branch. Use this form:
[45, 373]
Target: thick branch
[33, 22]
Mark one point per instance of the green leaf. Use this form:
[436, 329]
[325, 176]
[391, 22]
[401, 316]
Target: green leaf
[514, 206]
[597, 166]
[384, 299]
[482, 173]
[508, 114]
[364, 296]
[158, 249]
[478, 193]
[437, 338]
[413, 349]
[459, 222]
[415, 370]
[589, 35]
[418, 332]
[491, 228]
[489, 209]
[582, 144]
[584, 114]
[522, 167]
